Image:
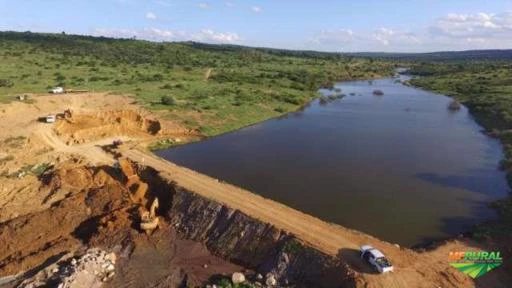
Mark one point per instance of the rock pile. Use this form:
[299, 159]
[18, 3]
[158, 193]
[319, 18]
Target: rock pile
[254, 281]
[90, 270]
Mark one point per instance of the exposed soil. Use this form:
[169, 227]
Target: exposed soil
[79, 200]
[130, 123]
[164, 260]
[97, 119]
[97, 211]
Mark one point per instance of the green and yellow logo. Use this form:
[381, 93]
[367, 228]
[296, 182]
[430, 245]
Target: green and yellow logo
[475, 264]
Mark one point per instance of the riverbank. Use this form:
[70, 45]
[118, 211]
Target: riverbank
[476, 89]
[169, 143]
[336, 147]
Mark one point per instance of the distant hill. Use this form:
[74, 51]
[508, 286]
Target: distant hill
[430, 56]
[83, 44]
[443, 55]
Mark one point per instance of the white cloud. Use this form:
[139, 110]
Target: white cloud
[155, 34]
[471, 31]
[334, 37]
[209, 35]
[256, 9]
[387, 36]
[480, 25]
[381, 39]
[383, 35]
[151, 16]
[203, 5]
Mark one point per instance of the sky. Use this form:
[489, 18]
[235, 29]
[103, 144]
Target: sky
[323, 25]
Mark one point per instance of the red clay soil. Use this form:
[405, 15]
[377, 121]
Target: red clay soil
[162, 260]
[96, 210]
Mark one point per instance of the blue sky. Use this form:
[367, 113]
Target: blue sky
[328, 25]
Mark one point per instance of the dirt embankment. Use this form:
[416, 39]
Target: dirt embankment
[90, 127]
[412, 269]
[93, 207]
[98, 213]
[240, 238]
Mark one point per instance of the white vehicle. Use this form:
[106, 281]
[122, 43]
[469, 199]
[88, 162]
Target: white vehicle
[50, 118]
[57, 90]
[378, 261]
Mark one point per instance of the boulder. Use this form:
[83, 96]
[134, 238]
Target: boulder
[270, 280]
[237, 278]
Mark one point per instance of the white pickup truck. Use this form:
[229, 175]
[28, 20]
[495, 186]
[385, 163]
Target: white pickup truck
[376, 259]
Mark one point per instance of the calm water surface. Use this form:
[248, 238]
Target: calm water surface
[400, 166]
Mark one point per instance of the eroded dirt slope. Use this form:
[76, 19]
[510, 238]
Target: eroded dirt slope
[29, 146]
[93, 207]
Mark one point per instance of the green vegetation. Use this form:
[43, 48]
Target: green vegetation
[226, 283]
[35, 169]
[485, 87]
[168, 100]
[164, 144]
[502, 227]
[245, 85]
[293, 246]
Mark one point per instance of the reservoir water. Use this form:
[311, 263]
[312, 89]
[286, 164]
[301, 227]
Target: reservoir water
[401, 166]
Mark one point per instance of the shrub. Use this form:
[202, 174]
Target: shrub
[327, 85]
[6, 83]
[60, 78]
[378, 92]
[454, 105]
[166, 86]
[293, 100]
[97, 78]
[157, 77]
[168, 100]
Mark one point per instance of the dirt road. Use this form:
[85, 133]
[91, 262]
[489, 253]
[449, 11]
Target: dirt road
[92, 150]
[412, 269]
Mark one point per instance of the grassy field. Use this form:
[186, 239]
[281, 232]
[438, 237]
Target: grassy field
[244, 86]
[485, 87]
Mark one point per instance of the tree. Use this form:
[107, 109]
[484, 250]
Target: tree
[168, 100]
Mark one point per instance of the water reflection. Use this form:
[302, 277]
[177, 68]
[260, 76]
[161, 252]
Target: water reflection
[428, 173]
